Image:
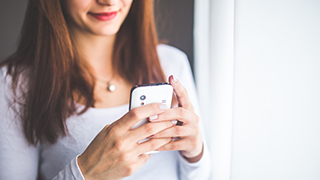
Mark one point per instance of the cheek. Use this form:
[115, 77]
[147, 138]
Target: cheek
[77, 6]
[76, 9]
[83, 4]
[127, 3]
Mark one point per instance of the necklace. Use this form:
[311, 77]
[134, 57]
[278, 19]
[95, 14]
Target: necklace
[110, 86]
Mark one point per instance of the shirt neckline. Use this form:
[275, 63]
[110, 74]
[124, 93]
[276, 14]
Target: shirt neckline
[114, 109]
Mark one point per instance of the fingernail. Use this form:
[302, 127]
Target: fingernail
[175, 79]
[153, 117]
[163, 106]
[174, 122]
[150, 137]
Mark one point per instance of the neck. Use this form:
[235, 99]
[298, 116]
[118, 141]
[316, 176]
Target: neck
[97, 51]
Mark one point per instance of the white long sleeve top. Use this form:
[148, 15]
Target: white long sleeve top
[58, 161]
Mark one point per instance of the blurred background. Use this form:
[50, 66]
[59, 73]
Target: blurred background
[257, 69]
[174, 23]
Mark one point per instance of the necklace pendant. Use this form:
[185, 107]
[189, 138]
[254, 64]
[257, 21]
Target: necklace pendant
[111, 87]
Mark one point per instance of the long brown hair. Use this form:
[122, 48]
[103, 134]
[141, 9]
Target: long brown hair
[46, 72]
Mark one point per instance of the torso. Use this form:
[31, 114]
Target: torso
[84, 127]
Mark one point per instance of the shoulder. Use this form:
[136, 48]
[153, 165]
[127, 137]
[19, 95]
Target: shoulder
[9, 92]
[3, 72]
[173, 60]
[3, 78]
[5, 92]
[170, 54]
[6, 75]
[5, 100]
[166, 51]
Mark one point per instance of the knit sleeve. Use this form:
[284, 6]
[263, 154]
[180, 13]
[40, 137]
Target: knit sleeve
[70, 172]
[19, 160]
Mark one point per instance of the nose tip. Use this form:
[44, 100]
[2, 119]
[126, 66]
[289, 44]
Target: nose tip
[107, 2]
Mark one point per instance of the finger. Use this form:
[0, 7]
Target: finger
[151, 145]
[139, 113]
[181, 93]
[143, 158]
[148, 130]
[176, 131]
[180, 145]
[178, 113]
[174, 146]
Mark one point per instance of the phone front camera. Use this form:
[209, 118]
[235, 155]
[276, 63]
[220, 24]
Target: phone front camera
[143, 97]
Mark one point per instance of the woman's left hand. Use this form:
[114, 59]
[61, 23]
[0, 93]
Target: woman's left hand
[189, 142]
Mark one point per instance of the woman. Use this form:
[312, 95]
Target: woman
[65, 92]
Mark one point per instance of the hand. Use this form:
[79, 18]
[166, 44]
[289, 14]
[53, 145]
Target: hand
[189, 142]
[115, 152]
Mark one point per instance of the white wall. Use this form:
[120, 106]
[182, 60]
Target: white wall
[214, 54]
[257, 68]
[276, 124]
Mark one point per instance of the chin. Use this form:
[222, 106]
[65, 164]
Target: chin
[106, 31]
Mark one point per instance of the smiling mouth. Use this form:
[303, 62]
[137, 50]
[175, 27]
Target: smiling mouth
[104, 16]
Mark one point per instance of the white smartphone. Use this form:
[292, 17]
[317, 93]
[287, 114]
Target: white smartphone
[150, 93]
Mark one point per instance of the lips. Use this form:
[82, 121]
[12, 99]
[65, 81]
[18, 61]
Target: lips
[104, 16]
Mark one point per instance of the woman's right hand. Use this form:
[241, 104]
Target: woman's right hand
[115, 152]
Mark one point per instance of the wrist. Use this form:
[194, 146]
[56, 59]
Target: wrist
[193, 158]
[80, 164]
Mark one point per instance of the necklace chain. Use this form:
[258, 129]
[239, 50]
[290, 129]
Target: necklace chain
[110, 86]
